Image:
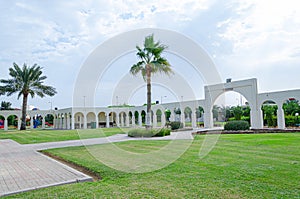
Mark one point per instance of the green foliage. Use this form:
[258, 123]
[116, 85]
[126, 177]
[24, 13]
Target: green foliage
[291, 107]
[177, 111]
[199, 112]
[149, 132]
[237, 112]
[269, 112]
[5, 106]
[167, 114]
[236, 125]
[175, 125]
[291, 120]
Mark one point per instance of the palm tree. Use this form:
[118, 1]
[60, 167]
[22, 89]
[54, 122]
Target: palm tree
[24, 82]
[150, 62]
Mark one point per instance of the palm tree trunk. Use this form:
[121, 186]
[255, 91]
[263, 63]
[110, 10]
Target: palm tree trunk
[24, 108]
[148, 118]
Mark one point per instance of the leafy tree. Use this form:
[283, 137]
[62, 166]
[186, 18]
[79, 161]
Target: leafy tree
[199, 111]
[237, 112]
[151, 61]
[291, 107]
[167, 114]
[26, 81]
[5, 105]
[269, 111]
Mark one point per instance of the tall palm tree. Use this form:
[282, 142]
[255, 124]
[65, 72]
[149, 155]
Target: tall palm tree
[151, 61]
[24, 82]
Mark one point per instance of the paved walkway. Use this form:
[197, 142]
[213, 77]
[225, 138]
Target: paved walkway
[22, 168]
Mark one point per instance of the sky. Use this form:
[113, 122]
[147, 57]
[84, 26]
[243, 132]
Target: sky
[245, 39]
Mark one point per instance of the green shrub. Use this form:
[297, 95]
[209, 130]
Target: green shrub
[149, 133]
[175, 125]
[236, 125]
[163, 132]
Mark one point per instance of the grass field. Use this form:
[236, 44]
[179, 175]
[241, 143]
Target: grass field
[239, 166]
[39, 136]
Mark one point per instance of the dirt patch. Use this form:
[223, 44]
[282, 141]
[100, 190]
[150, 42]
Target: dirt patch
[94, 175]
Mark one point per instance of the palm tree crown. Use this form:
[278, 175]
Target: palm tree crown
[151, 61]
[26, 81]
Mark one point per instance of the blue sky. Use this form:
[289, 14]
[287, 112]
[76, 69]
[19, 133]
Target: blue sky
[246, 39]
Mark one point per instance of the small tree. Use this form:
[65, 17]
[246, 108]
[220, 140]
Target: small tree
[237, 112]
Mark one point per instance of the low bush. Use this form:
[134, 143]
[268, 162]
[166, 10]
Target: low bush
[175, 125]
[149, 133]
[236, 125]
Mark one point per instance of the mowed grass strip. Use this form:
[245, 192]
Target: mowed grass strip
[40, 136]
[239, 166]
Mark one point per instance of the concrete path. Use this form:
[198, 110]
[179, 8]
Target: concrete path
[22, 168]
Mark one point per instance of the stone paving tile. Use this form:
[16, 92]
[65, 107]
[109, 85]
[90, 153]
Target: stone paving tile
[24, 169]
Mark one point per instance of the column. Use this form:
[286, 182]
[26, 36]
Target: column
[140, 120]
[127, 120]
[43, 122]
[194, 122]
[117, 120]
[73, 122]
[19, 122]
[182, 119]
[107, 120]
[133, 121]
[154, 120]
[31, 122]
[97, 121]
[280, 118]
[163, 119]
[84, 122]
[208, 120]
[5, 124]
[68, 122]
[122, 119]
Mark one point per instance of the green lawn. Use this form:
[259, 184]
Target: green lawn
[239, 166]
[39, 136]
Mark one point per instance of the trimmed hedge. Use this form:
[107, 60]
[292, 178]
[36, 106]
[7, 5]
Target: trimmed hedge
[149, 133]
[236, 125]
[175, 125]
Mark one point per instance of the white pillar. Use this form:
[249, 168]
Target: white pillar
[140, 119]
[194, 122]
[31, 122]
[73, 122]
[68, 122]
[97, 121]
[154, 120]
[163, 119]
[122, 120]
[182, 118]
[6, 124]
[19, 122]
[127, 120]
[43, 122]
[117, 120]
[107, 120]
[84, 122]
[208, 119]
[280, 118]
[133, 121]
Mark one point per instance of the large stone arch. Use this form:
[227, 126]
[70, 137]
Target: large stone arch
[79, 120]
[247, 88]
[91, 120]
